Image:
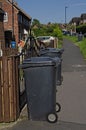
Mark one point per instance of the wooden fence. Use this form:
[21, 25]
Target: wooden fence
[9, 88]
[12, 99]
[12, 93]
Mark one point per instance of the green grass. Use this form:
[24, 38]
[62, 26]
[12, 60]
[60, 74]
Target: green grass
[60, 43]
[80, 44]
[72, 38]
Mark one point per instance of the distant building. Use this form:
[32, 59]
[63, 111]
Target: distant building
[78, 20]
[83, 18]
[16, 21]
[75, 21]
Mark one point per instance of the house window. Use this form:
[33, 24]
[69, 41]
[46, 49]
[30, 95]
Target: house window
[20, 18]
[6, 17]
[25, 22]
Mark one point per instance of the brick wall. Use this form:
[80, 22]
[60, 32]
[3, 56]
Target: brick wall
[2, 41]
[7, 7]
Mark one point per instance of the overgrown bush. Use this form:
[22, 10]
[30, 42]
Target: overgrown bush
[51, 29]
[81, 28]
[82, 46]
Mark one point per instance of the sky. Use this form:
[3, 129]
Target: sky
[53, 10]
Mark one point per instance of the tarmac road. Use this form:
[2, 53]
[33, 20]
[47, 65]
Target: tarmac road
[71, 95]
[72, 58]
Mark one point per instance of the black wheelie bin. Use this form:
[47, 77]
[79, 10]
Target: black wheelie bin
[53, 53]
[40, 86]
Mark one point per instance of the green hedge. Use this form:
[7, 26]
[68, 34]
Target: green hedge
[81, 28]
[82, 46]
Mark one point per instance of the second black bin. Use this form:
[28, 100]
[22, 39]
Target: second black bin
[54, 53]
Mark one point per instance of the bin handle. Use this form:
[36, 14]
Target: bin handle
[45, 49]
[23, 66]
[43, 53]
[55, 60]
[60, 50]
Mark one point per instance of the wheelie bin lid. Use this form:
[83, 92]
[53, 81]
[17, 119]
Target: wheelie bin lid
[51, 50]
[38, 62]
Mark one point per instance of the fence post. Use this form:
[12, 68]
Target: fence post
[6, 107]
[1, 116]
[9, 89]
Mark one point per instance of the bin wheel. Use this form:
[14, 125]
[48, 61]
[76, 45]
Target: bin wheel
[52, 117]
[58, 107]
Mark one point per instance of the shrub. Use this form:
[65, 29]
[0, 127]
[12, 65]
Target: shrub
[82, 46]
[81, 28]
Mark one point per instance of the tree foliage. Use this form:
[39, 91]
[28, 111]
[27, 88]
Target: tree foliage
[71, 27]
[81, 28]
[50, 29]
[35, 22]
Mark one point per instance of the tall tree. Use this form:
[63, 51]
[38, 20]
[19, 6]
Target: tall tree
[35, 22]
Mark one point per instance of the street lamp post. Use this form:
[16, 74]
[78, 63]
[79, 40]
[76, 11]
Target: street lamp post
[65, 15]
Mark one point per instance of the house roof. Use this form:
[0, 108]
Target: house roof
[83, 16]
[21, 10]
[75, 20]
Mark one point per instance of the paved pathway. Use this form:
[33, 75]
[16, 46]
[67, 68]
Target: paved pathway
[71, 95]
[72, 58]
